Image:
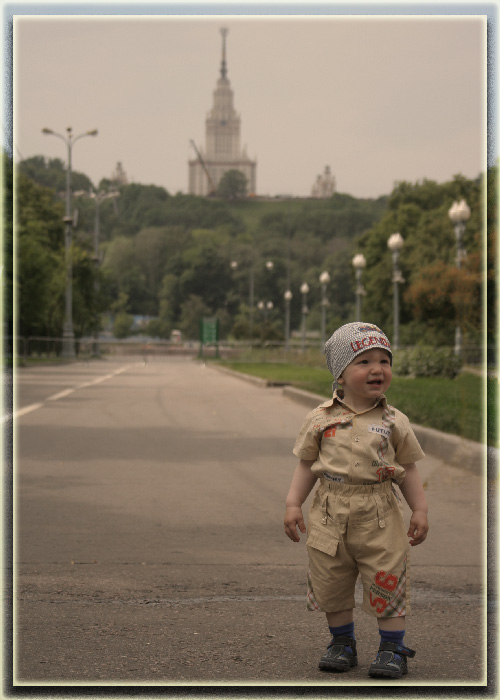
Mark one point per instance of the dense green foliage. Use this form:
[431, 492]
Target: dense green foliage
[176, 257]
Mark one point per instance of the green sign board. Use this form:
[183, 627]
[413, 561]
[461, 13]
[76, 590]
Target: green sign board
[209, 333]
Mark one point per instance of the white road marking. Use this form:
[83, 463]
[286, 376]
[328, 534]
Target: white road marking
[27, 409]
[62, 394]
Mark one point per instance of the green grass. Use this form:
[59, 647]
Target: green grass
[453, 406]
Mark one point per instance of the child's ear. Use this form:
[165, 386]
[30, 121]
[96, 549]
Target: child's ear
[340, 380]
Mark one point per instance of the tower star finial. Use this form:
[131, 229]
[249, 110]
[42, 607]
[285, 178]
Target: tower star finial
[223, 70]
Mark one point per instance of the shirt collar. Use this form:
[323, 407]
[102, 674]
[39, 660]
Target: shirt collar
[337, 400]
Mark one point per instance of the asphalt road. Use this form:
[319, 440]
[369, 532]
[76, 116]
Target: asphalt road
[149, 547]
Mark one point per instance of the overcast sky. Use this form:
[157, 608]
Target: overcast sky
[379, 99]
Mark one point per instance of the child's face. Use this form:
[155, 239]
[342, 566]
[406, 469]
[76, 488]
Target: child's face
[367, 377]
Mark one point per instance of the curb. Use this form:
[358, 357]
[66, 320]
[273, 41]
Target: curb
[258, 381]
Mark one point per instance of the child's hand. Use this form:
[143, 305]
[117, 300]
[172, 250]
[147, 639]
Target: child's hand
[294, 518]
[419, 527]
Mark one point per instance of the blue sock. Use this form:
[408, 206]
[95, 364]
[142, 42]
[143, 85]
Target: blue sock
[396, 637]
[344, 631]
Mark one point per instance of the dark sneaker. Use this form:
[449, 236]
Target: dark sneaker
[391, 661]
[340, 655]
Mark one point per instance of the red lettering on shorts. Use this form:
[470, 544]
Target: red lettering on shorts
[386, 581]
[378, 603]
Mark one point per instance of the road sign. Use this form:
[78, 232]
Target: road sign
[209, 334]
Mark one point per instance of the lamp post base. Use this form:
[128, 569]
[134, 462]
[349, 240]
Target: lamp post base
[68, 344]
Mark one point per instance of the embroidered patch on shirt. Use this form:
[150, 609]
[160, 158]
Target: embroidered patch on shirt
[380, 430]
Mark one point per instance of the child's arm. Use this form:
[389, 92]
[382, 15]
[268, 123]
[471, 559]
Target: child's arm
[413, 492]
[302, 483]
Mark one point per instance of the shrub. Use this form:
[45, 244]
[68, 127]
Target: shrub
[401, 364]
[427, 361]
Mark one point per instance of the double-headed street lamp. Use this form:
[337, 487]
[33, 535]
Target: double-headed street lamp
[68, 349]
[359, 263]
[395, 243]
[270, 267]
[288, 296]
[265, 307]
[304, 289]
[324, 279]
[459, 213]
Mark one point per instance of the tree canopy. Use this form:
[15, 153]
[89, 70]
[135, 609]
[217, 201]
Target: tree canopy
[174, 257]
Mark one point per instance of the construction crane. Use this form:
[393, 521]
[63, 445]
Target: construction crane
[211, 185]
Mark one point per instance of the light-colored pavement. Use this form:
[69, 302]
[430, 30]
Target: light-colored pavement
[149, 546]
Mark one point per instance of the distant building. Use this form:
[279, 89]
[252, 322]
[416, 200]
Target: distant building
[119, 177]
[325, 185]
[222, 141]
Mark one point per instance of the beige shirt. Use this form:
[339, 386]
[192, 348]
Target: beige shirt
[357, 448]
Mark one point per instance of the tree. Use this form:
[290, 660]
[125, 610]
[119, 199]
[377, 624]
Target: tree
[420, 213]
[41, 268]
[233, 185]
[122, 325]
[51, 173]
[206, 269]
[192, 311]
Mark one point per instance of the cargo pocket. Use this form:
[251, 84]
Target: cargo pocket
[325, 539]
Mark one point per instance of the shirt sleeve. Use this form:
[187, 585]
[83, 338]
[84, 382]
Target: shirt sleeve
[308, 440]
[406, 446]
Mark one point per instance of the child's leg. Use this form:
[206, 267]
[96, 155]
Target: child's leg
[391, 629]
[341, 618]
[392, 624]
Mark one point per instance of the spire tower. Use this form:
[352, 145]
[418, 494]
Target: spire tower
[222, 139]
[223, 68]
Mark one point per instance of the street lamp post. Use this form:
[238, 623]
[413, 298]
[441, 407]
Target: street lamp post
[459, 213]
[359, 263]
[270, 267]
[304, 289]
[288, 296]
[324, 279]
[68, 349]
[395, 243]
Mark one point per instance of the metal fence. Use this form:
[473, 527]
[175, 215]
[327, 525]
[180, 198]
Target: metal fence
[34, 348]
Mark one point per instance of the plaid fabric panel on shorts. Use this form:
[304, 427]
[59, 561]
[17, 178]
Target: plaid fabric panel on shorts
[396, 607]
[312, 603]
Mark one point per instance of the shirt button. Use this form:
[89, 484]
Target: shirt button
[356, 439]
[357, 464]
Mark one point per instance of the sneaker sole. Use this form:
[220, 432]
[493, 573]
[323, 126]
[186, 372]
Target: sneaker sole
[325, 666]
[386, 674]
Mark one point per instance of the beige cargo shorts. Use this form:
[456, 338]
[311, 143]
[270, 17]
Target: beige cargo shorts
[358, 530]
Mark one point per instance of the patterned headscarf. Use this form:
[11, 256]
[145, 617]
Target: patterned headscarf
[351, 340]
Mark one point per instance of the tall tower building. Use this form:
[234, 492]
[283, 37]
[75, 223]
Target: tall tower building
[222, 141]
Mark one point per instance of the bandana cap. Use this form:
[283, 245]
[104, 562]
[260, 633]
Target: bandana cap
[351, 340]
